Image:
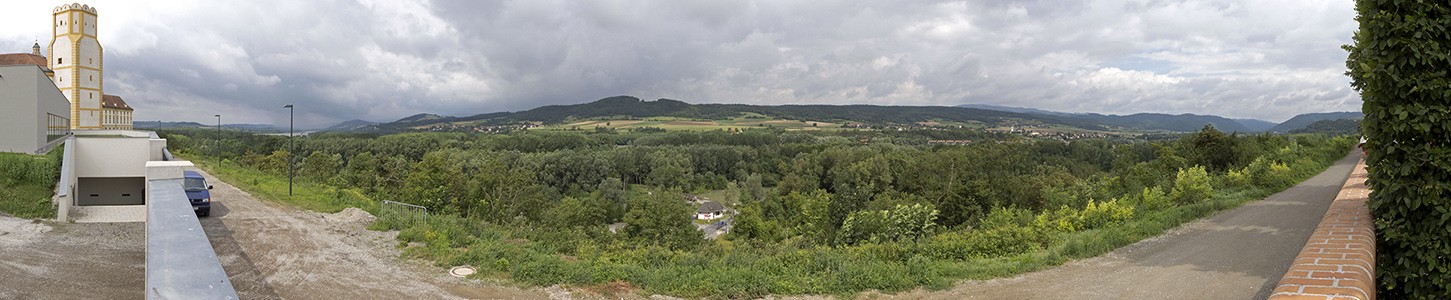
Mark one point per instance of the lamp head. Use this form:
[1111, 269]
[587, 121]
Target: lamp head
[287, 106]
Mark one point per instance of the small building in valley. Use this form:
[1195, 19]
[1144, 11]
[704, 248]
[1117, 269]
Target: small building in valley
[710, 210]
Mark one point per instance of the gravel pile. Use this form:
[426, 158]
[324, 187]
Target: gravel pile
[351, 215]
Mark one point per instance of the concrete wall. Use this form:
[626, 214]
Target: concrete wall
[112, 156]
[27, 99]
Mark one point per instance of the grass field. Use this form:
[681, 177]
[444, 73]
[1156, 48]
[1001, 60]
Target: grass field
[743, 122]
[305, 195]
[27, 183]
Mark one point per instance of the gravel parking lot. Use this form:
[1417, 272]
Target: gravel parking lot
[43, 260]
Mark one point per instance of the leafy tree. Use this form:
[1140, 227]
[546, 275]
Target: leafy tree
[362, 171]
[752, 190]
[813, 217]
[320, 166]
[574, 212]
[662, 218]
[670, 169]
[615, 195]
[1212, 148]
[432, 182]
[1399, 63]
[751, 225]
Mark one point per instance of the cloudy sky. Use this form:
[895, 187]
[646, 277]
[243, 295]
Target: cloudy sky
[381, 60]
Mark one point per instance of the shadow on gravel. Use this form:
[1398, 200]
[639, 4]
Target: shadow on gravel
[249, 282]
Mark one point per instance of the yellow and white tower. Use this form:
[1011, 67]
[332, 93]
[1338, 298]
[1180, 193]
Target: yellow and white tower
[75, 55]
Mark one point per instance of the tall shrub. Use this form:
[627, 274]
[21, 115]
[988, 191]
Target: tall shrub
[1399, 62]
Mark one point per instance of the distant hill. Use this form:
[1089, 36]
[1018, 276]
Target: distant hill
[1332, 127]
[631, 107]
[349, 125]
[254, 127]
[1256, 125]
[1144, 121]
[1183, 122]
[168, 125]
[1301, 121]
[419, 117]
[164, 125]
[1014, 109]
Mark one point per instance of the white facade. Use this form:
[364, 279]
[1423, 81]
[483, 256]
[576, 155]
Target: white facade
[33, 113]
[76, 57]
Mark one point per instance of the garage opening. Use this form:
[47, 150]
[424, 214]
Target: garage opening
[111, 191]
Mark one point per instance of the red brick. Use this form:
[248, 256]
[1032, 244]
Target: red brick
[1287, 288]
[1323, 255]
[1364, 285]
[1335, 291]
[1297, 297]
[1341, 275]
[1309, 281]
[1360, 257]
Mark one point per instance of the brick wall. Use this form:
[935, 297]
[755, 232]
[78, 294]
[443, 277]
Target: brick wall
[1338, 262]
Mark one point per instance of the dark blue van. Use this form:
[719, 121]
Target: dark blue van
[198, 192]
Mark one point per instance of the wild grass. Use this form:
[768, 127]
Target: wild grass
[27, 183]
[305, 194]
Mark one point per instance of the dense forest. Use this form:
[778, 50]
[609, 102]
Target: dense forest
[811, 212]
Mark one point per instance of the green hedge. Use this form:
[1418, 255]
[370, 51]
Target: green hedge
[1399, 63]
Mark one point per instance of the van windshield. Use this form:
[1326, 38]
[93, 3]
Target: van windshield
[195, 184]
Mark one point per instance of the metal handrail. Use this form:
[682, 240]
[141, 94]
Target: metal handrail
[67, 166]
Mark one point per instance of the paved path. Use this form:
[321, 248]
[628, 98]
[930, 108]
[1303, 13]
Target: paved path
[272, 251]
[1238, 254]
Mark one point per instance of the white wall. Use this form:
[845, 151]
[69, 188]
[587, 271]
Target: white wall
[26, 96]
[112, 156]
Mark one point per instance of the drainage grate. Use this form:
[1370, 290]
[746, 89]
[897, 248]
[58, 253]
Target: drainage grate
[461, 271]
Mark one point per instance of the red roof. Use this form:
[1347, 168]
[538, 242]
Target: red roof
[113, 101]
[24, 59]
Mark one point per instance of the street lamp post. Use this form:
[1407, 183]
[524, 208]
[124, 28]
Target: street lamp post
[290, 150]
[217, 151]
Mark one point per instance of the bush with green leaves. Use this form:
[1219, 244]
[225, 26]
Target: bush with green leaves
[1191, 185]
[1399, 63]
[1154, 199]
[1097, 215]
[905, 222]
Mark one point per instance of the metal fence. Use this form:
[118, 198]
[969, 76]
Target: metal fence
[403, 212]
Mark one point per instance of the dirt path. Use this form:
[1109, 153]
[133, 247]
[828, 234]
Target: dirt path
[1238, 254]
[71, 261]
[271, 251]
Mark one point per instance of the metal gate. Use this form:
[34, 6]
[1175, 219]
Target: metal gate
[403, 212]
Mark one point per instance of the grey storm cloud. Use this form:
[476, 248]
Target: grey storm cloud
[382, 60]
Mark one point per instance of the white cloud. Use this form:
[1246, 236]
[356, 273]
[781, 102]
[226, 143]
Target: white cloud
[381, 60]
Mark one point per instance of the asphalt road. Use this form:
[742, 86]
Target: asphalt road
[1237, 254]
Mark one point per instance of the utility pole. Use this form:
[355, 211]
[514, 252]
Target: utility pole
[217, 151]
[290, 151]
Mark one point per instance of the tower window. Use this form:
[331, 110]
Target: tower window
[60, 61]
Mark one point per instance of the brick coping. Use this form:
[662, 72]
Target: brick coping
[1338, 261]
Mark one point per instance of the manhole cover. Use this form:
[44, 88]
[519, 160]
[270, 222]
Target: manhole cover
[461, 271]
